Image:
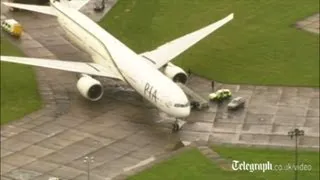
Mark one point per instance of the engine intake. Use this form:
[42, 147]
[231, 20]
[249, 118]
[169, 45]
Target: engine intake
[175, 73]
[90, 88]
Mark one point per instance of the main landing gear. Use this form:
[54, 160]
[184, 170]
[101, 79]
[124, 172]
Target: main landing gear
[177, 125]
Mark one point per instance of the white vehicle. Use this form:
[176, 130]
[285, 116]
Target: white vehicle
[236, 103]
[12, 27]
[113, 59]
[53, 178]
[220, 95]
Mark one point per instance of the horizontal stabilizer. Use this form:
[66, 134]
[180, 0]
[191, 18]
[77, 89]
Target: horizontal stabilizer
[35, 8]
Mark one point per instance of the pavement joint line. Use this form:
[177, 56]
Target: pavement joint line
[98, 149]
[34, 144]
[158, 159]
[239, 128]
[277, 110]
[212, 131]
[266, 145]
[141, 163]
[60, 166]
[104, 162]
[261, 133]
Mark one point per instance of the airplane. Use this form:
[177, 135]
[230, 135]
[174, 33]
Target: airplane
[151, 73]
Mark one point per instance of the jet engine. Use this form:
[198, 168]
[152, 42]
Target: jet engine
[175, 73]
[90, 88]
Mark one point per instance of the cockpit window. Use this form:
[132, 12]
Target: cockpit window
[182, 105]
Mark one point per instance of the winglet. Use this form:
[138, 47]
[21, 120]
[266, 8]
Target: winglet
[230, 16]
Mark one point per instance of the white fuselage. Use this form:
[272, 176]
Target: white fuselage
[107, 51]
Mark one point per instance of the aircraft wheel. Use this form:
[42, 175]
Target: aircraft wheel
[175, 127]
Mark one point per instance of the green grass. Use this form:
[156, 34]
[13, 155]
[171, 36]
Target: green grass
[19, 93]
[191, 165]
[260, 46]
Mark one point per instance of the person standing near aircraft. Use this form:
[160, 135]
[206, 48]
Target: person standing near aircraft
[212, 85]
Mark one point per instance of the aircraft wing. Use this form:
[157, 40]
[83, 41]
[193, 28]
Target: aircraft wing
[165, 53]
[78, 67]
[36, 8]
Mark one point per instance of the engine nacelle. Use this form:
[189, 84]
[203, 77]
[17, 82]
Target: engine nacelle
[175, 73]
[90, 88]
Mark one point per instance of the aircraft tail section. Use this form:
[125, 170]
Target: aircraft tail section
[35, 8]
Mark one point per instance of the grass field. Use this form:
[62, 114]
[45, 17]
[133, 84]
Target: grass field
[192, 165]
[19, 93]
[260, 46]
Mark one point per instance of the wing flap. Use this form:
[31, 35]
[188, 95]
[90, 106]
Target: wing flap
[78, 67]
[35, 8]
[165, 53]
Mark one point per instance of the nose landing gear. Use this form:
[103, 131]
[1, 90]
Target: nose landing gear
[177, 125]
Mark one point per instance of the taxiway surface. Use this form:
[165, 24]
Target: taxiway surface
[121, 130]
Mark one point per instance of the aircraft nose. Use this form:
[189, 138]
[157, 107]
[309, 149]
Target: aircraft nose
[183, 112]
[187, 111]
